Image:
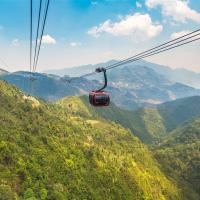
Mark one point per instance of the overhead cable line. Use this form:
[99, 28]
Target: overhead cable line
[158, 50]
[37, 34]
[41, 36]
[31, 38]
[180, 41]
[31, 33]
[154, 48]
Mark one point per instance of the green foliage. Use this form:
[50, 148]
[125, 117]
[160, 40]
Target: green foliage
[47, 152]
[179, 155]
[29, 194]
[6, 193]
[43, 194]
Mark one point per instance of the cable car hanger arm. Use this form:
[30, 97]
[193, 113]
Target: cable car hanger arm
[99, 70]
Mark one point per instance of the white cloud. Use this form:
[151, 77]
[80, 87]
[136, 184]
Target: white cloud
[177, 9]
[47, 39]
[137, 24]
[75, 44]
[138, 4]
[179, 34]
[15, 42]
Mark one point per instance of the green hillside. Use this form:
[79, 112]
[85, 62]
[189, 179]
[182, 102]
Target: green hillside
[146, 124]
[46, 152]
[150, 125]
[166, 117]
[160, 121]
[179, 154]
[180, 111]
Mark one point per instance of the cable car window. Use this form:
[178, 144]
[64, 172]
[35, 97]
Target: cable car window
[102, 99]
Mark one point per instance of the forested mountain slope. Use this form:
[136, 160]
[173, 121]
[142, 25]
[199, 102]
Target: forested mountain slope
[150, 125]
[179, 154]
[153, 124]
[46, 152]
[139, 122]
[178, 112]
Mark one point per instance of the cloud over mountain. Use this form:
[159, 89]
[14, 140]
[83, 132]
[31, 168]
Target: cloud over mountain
[137, 24]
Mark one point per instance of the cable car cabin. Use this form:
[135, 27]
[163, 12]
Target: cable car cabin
[99, 99]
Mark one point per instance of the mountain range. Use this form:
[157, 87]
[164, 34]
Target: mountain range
[179, 75]
[131, 87]
[55, 145]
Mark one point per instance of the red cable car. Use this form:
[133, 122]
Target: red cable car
[100, 98]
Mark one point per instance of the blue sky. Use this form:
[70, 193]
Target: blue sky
[90, 31]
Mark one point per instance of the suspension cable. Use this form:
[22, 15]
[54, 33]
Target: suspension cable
[154, 48]
[38, 27]
[41, 36]
[158, 50]
[31, 33]
[31, 38]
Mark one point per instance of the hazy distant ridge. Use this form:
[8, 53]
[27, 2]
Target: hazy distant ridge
[180, 75]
